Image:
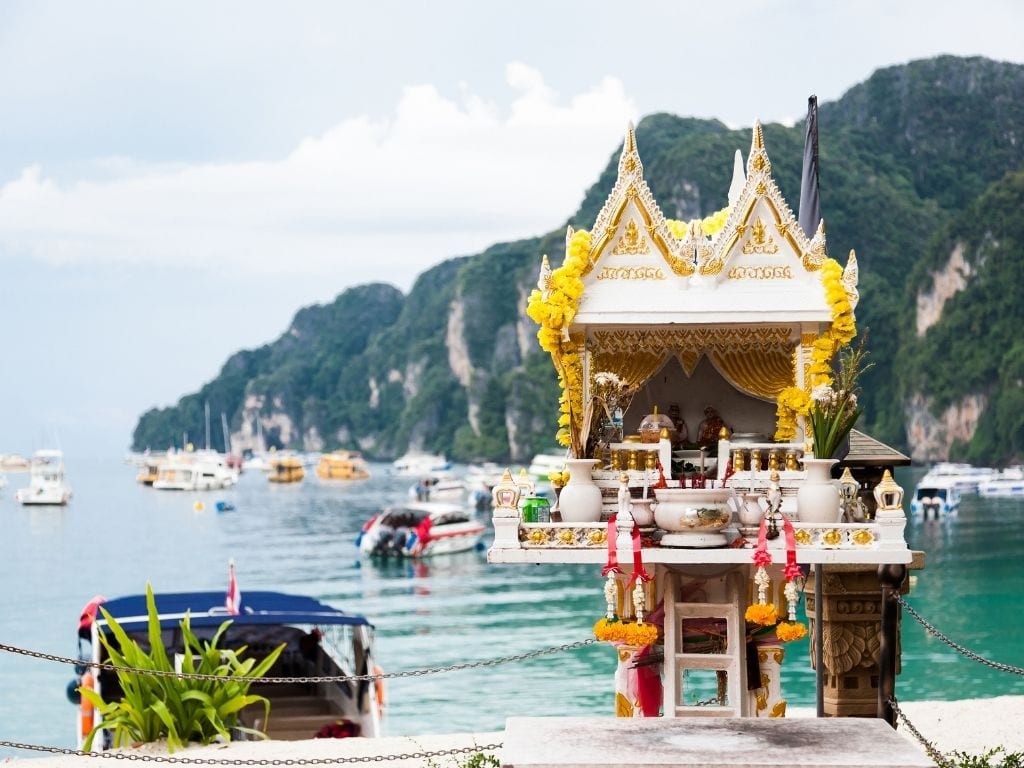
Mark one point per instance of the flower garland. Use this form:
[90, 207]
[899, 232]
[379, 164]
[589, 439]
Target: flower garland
[553, 309]
[795, 401]
[710, 225]
[630, 633]
[762, 612]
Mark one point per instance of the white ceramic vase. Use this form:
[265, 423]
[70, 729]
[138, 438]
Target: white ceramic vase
[817, 500]
[580, 499]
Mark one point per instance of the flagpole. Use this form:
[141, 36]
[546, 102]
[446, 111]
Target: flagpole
[810, 203]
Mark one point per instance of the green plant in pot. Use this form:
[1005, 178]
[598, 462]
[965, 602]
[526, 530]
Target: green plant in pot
[834, 407]
[182, 710]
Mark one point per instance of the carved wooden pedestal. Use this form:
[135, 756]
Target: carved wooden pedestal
[851, 615]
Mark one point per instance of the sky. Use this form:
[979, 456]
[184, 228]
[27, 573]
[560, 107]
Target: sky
[177, 179]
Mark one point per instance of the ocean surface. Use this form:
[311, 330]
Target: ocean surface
[116, 535]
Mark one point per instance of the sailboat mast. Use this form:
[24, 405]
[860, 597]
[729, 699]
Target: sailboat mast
[224, 427]
[207, 411]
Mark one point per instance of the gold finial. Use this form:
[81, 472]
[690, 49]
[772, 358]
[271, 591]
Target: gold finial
[821, 227]
[624, 478]
[758, 139]
[888, 495]
[724, 433]
[569, 232]
[774, 476]
[629, 145]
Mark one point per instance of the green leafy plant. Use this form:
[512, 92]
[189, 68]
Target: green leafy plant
[994, 758]
[153, 707]
[834, 408]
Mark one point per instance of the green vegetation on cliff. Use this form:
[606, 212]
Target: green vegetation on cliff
[912, 163]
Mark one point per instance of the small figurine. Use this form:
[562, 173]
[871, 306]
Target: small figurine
[709, 429]
[624, 497]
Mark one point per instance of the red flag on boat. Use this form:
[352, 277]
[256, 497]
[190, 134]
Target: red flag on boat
[234, 597]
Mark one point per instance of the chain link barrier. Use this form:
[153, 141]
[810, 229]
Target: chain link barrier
[956, 646]
[251, 761]
[307, 679]
[933, 752]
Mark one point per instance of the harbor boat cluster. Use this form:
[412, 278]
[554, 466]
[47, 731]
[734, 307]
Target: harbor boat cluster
[940, 490]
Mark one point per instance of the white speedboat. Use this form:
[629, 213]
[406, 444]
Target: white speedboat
[417, 464]
[438, 486]
[47, 484]
[320, 641]
[964, 477]
[195, 471]
[936, 497]
[1008, 483]
[420, 529]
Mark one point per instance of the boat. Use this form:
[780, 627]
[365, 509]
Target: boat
[195, 471]
[286, 469]
[11, 462]
[965, 477]
[938, 497]
[544, 464]
[420, 529]
[320, 641]
[149, 469]
[342, 465]
[438, 486]
[1007, 483]
[47, 484]
[417, 464]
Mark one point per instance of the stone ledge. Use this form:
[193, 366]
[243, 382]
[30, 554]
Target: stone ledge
[575, 742]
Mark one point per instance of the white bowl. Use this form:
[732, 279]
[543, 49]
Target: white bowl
[697, 510]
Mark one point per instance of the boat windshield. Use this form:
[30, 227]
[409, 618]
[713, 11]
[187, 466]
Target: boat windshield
[931, 493]
[405, 517]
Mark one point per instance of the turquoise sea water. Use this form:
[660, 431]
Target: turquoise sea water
[115, 535]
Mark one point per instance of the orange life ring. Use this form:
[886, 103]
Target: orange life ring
[378, 688]
[86, 710]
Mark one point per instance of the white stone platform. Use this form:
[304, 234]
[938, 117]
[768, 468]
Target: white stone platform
[578, 742]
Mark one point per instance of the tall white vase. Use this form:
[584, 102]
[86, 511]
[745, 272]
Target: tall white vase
[580, 499]
[817, 500]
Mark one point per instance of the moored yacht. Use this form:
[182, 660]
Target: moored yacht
[195, 471]
[964, 477]
[342, 465]
[938, 497]
[1007, 483]
[416, 463]
[47, 484]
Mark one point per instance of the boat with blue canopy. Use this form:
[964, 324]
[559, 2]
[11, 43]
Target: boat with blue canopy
[319, 641]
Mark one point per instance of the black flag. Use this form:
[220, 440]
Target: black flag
[810, 206]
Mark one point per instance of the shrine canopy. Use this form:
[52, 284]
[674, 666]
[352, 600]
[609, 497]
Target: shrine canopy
[747, 295]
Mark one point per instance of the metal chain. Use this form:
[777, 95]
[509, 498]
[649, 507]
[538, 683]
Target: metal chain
[933, 752]
[251, 761]
[308, 679]
[956, 646]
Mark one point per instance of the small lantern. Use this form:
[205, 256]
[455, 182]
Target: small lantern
[848, 487]
[888, 495]
[525, 483]
[506, 493]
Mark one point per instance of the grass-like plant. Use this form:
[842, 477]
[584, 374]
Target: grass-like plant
[994, 758]
[183, 711]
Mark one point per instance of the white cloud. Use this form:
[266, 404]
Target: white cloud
[371, 198]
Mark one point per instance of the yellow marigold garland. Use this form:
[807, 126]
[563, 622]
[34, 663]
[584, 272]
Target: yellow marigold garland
[710, 225]
[839, 334]
[554, 314]
[763, 614]
[628, 632]
[787, 631]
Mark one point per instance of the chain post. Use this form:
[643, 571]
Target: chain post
[891, 578]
